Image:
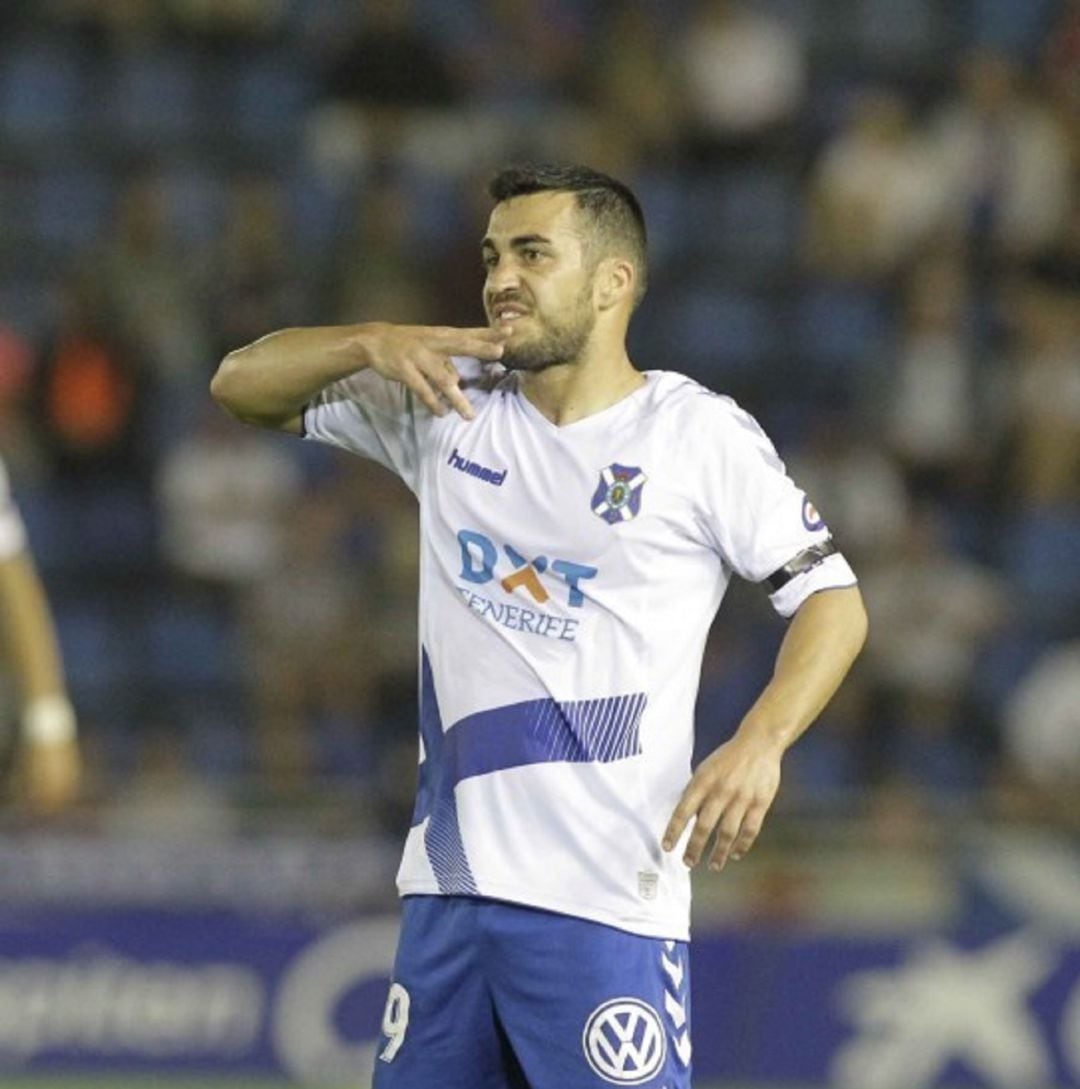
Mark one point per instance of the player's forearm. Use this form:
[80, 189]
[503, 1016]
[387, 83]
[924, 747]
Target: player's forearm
[271, 380]
[819, 647]
[28, 632]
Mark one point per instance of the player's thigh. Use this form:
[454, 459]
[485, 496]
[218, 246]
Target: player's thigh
[588, 1006]
[438, 1027]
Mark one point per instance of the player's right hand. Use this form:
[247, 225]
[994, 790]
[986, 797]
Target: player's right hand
[419, 357]
[51, 774]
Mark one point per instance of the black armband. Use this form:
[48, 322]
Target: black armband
[803, 562]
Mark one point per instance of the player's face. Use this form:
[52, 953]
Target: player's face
[539, 281]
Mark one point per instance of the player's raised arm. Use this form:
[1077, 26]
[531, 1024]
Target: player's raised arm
[269, 382]
[732, 789]
[50, 760]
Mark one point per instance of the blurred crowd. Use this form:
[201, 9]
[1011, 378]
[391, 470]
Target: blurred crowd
[864, 224]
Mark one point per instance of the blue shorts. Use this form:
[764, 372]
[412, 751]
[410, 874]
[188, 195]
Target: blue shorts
[490, 995]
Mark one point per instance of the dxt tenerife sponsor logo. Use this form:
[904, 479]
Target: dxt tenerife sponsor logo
[533, 583]
[624, 1041]
[475, 469]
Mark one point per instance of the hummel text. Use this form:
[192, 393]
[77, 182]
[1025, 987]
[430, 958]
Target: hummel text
[474, 468]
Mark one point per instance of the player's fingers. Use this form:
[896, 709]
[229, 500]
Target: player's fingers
[417, 381]
[447, 382]
[486, 343]
[688, 806]
[727, 831]
[707, 819]
[748, 833]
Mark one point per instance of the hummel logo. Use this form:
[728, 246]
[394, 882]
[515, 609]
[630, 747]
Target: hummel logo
[474, 468]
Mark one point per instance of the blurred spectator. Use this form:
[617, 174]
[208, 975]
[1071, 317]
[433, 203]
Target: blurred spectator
[934, 401]
[385, 68]
[743, 76]
[633, 81]
[165, 798]
[877, 194]
[931, 748]
[1042, 730]
[1061, 65]
[115, 24]
[90, 392]
[1044, 394]
[18, 429]
[378, 271]
[523, 56]
[234, 19]
[150, 288]
[1005, 157]
[311, 626]
[933, 610]
[856, 486]
[226, 495]
[253, 277]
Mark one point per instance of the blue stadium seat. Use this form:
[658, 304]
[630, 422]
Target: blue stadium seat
[318, 209]
[219, 744]
[435, 208]
[71, 206]
[267, 97]
[102, 660]
[117, 530]
[28, 304]
[1001, 664]
[1018, 27]
[663, 198]
[190, 648]
[716, 334]
[196, 197]
[1039, 557]
[151, 100]
[842, 331]
[50, 526]
[747, 218]
[42, 93]
[898, 31]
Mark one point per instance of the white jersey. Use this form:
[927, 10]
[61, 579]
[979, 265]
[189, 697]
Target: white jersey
[12, 531]
[569, 576]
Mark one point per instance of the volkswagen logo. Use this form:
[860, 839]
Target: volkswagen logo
[624, 1041]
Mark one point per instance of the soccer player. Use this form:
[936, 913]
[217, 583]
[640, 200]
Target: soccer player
[49, 749]
[580, 521]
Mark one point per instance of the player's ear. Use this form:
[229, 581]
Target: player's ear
[614, 282]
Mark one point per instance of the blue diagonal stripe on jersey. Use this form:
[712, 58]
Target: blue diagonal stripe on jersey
[542, 731]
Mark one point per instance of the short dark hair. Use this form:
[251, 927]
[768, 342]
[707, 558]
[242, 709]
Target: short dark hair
[612, 209]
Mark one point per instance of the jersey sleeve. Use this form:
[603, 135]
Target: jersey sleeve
[755, 515]
[370, 416]
[12, 530]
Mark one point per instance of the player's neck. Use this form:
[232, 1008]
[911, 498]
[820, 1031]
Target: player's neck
[573, 391]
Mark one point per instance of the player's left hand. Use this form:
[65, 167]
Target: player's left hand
[51, 773]
[729, 795]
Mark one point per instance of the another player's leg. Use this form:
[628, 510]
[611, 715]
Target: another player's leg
[439, 1027]
[586, 1005]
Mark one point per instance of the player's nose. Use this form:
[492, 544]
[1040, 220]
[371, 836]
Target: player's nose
[501, 278]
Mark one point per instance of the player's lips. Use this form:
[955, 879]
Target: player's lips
[508, 312]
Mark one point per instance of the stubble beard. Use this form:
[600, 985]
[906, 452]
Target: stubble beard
[553, 346]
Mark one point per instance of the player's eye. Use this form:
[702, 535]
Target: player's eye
[489, 260]
[531, 254]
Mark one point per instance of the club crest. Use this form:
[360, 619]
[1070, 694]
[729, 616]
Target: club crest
[618, 495]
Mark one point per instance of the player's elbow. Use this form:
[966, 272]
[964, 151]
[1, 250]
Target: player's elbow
[226, 387]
